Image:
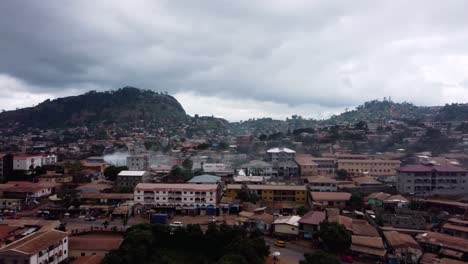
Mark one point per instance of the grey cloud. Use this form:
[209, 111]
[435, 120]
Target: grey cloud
[331, 54]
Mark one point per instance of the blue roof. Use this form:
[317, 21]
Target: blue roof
[205, 178]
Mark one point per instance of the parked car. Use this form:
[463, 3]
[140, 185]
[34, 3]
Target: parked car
[176, 224]
[91, 218]
[280, 243]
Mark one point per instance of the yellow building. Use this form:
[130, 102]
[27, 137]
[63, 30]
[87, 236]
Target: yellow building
[369, 167]
[296, 194]
[307, 167]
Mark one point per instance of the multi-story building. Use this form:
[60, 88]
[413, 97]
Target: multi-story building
[256, 168]
[127, 178]
[307, 166]
[296, 194]
[325, 166]
[138, 162]
[42, 247]
[276, 155]
[432, 179]
[6, 166]
[369, 167]
[177, 195]
[31, 161]
[322, 184]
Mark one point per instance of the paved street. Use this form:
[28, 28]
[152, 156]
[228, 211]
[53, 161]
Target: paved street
[291, 254]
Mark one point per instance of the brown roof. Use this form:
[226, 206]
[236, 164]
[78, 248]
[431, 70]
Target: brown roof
[429, 168]
[428, 258]
[6, 230]
[363, 228]
[25, 186]
[312, 218]
[447, 202]
[399, 240]
[374, 242]
[94, 259]
[89, 195]
[36, 242]
[268, 187]
[330, 196]
[366, 180]
[304, 159]
[446, 241]
[321, 179]
[458, 221]
[455, 227]
[378, 196]
[369, 250]
[451, 261]
[104, 242]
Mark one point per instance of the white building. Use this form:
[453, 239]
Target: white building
[287, 225]
[128, 178]
[31, 161]
[39, 248]
[276, 155]
[176, 195]
[138, 162]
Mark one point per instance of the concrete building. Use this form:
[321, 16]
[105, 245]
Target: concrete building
[26, 161]
[325, 165]
[426, 180]
[177, 195]
[6, 166]
[294, 194]
[322, 184]
[42, 247]
[329, 199]
[276, 155]
[138, 163]
[456, 227]
[403, 246]
[256, 168]
[369, 167]
[98, 244]
[307, 166]
[286, 225]
[25, 190]
[130, 179]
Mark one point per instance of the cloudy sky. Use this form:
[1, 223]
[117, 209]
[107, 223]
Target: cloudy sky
[238, 59]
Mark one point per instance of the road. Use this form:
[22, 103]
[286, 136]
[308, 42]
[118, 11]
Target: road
[291, 254]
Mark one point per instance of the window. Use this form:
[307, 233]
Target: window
[83, 254]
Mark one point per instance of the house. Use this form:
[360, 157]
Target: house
[205, 179]
[40, 247]
[309, 224]
[9, 233]
[368, 247]
[90, 244]
[218, 169]
[256, 221]
[286, 225]
[95, 187]
[24, 189]
[322, 184]
[440, 243]
[105, 198]
[295, 194]
[376, 199]
[130, 179]
[325, 165]
[276, 155]
[329, 199]
[404, 248]
[31, 161]
[363, 228]
[93, 259]
[456, 227]
[257, 168]
[54, 177]
[369, 167]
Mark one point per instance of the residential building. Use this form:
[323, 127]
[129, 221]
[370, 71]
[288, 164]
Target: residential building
[368, 247]
[105, 198]
[432, 180]
[54, 177]
[138, 162]
[26, 161]
[325, 165]
[309, 224]
[286, 225]
[322, 184]
[276, 155]
[294, 194]
[444, 244]
[218, 169]
[98, 244]
[369, 167]
[41, 247]
[456, 227]
[403, 247]
[6, 166]
[127, 178]
[287, 169]
[329, 199]
[307, 166]
[25, 190]
[256, 168]
[173, 195]
[205, 179]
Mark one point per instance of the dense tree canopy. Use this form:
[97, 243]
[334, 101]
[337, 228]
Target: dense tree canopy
[319, 257]
[156, 244]
[334, 237]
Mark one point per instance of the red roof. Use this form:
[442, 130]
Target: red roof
[430, 168]
[312, 218]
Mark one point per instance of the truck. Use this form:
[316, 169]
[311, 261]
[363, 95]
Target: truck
[159, 218]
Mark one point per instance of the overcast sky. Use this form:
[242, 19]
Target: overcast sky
[238, 59]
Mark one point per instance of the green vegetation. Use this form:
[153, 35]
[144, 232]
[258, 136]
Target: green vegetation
[335, 239]
[320, 257]
[246, 195]
[157, 244]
